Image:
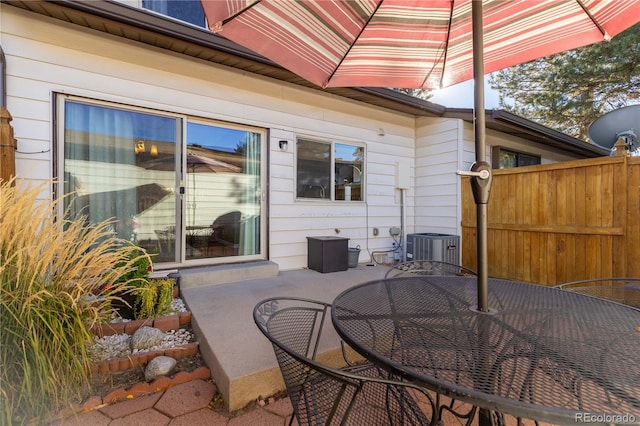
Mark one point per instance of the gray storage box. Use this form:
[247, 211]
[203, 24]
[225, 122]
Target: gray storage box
[327, 254]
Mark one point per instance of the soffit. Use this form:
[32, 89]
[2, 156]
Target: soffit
[157, 30]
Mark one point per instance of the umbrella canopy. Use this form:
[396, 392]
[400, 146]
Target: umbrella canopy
[419, 44]
[109, 204]
[195, 163]
[411, 44]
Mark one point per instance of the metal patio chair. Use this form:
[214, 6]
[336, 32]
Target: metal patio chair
[360, 394]
[427, 267]
[617, 289]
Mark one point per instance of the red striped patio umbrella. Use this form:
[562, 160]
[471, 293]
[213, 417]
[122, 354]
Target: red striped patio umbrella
[418, 44]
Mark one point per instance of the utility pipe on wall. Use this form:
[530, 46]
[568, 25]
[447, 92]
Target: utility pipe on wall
[403, 221]
[403, 182]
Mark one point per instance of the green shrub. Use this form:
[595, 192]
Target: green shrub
[154, 298]
[139, 265]
[151, 297]
[48, 267]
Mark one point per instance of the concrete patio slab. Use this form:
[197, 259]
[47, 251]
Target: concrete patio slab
[241, 359]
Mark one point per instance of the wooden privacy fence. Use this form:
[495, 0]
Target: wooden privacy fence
[556, 223]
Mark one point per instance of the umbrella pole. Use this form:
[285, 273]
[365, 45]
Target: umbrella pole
[480, 186]
[481, 178]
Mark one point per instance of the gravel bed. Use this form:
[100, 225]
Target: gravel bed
[119, 345]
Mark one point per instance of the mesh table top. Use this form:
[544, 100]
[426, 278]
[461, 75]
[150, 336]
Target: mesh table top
[542, 353]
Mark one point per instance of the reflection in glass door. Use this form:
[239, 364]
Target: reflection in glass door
[119, 165]
[223, 191]
[182, 195]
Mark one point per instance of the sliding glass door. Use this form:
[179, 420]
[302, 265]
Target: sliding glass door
[188, 190]
[223, 191]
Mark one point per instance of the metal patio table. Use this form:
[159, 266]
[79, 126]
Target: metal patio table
[540, 353]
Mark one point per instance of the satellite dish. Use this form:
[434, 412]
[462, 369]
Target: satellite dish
[623, 123]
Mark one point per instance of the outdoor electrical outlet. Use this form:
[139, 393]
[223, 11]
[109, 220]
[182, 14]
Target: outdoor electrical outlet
[375, 232]
[394, 230]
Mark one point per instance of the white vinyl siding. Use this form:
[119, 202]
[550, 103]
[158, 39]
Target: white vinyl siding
[437, 186]
[46, 56]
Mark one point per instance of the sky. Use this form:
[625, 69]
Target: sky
[461, 96]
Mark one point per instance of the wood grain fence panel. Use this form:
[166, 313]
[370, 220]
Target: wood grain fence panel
[520, 192]
[606, 190]
[533, 200]
[560, 222]
[632, 249]
[551, 260]
[498, 193]
[583, 190]
[551, 205]
[609, 264]
[527, 259]
[515, 247]
[560, 191]
[511, 201]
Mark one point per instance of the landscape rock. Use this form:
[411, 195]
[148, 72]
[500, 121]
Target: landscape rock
[159, 366]
[146, 337]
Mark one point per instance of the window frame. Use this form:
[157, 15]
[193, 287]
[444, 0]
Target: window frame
[497, 150]
[141, 6]
[332, 160]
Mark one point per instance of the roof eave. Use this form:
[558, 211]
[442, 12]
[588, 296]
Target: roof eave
[219, 50]
[504, 121]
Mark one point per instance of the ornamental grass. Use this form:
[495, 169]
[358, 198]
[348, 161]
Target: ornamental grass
[49, 268]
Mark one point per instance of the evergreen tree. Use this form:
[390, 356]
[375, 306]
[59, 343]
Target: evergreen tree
[569, 90]
[417, 93]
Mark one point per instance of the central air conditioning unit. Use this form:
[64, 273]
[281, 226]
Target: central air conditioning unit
[430, 246]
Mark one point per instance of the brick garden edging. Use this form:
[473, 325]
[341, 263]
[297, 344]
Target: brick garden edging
[140, 359]
[164, 323]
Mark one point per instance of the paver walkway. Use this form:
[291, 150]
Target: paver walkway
[186, 404]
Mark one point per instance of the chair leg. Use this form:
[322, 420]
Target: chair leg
[469, 415]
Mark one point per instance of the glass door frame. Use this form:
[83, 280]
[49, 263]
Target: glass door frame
[181, 147]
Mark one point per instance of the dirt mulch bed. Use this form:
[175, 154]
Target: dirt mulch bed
[102, 384]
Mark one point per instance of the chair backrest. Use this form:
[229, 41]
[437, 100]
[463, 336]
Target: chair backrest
[427, 267]
[292, 323]
[322, 395]
[618, 289]
[227, 227]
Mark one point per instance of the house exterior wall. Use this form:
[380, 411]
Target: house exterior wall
[45, 56]
[437, 187]
[494, 138]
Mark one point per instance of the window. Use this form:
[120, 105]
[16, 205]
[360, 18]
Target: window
[507, 159]
[184, 188]
[329, 170]
[185, 10]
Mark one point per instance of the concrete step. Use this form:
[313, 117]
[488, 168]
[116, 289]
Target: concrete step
[220, 274]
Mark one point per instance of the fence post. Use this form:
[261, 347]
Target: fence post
[8, 146]
[620, 148]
